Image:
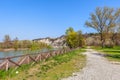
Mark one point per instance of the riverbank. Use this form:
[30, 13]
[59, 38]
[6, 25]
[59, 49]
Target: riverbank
[12, 49]
[53, 68]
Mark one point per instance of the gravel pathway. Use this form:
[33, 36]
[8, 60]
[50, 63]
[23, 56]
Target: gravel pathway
[97, 68]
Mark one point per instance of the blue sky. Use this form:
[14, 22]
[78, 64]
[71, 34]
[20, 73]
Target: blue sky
[30, 19]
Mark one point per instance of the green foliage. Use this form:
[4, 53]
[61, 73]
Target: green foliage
[16, 44]
[39, 45]
[49, 47]
[34, 46]
[12, 71]
[81, 41]
[74, 39]
[111, 53]
[69, 30]
[25, 44]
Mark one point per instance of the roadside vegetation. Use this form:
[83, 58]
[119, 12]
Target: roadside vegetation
[53, 68]
[112, 54]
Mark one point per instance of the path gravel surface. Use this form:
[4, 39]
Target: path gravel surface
[97, 68]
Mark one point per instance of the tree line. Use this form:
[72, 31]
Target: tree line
[24, 44]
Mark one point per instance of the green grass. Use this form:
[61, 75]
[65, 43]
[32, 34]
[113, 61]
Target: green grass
[112, 54]
[53, 68]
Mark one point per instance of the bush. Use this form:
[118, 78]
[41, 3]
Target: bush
[109, 44]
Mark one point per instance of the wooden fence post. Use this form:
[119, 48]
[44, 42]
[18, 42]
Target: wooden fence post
[7, 65]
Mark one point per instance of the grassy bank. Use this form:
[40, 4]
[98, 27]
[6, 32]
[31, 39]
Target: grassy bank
[112, 54]
[53, 68]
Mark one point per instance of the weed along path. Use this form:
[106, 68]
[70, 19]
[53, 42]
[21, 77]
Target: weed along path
[97, 68]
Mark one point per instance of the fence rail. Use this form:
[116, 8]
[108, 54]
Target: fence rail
[8, 62]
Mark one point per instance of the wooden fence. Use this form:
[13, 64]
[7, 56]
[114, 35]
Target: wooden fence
[8, 62]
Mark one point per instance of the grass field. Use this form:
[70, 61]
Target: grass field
[53, 68]
[113, 54]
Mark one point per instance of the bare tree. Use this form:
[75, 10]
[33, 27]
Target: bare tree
[7, 41]
[103, 20]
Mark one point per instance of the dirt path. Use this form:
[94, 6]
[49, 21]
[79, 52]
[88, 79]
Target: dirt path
[97, 68]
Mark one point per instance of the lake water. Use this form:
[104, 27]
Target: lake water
[17, 53]
[11, 53]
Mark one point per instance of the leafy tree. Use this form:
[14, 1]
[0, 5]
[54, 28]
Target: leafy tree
[69, 30]
[34, 46]
[39, 45]
[81, 41]
[103, 20]
[74, 39]
[26, 44]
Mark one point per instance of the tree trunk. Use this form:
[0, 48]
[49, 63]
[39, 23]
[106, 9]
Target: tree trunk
[102, 41]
